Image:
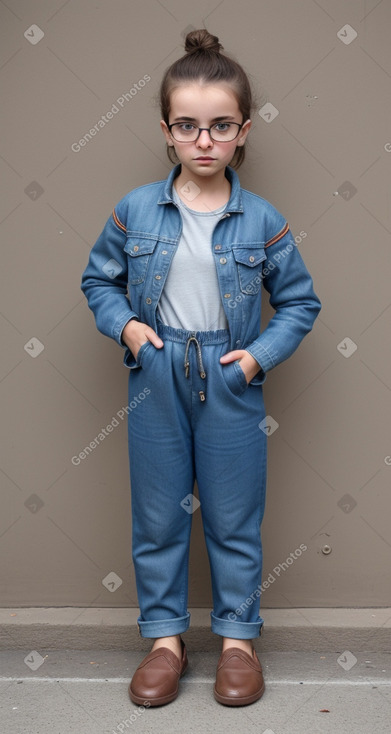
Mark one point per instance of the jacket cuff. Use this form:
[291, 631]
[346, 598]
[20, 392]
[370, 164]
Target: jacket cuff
[120, 324]
[120, 336]
[259, 378]
[264, 360]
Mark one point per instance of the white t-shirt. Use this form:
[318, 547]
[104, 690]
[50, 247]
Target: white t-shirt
[191, 297]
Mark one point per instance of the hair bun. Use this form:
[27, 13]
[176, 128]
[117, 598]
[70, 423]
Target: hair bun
[202, 40]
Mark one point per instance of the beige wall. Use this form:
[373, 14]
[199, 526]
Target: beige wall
[65, 528]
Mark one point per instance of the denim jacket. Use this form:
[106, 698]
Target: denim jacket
[252, 245]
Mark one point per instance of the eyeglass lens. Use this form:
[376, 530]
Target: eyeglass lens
[220, 132]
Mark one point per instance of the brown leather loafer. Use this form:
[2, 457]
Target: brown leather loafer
[239, 678]
[156, 679]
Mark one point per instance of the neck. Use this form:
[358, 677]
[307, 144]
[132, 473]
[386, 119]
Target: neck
[212, 186]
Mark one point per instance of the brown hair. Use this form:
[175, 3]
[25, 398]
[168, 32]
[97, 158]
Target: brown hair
[204, 63]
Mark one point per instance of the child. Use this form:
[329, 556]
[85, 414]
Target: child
[175, 278]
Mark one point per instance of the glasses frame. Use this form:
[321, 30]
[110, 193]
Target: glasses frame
[200, 129]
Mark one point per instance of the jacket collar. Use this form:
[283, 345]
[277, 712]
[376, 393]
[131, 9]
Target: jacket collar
[235, 200]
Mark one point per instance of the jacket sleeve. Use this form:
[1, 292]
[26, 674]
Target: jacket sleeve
[104, 281]
[287, 280]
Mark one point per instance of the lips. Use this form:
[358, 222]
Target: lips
[205, 158]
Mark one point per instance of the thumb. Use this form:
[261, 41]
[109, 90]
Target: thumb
[231, 356]
[153, 337]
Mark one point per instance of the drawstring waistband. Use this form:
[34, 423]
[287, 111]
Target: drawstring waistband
[201, 368]
[199, 339]
[200, 365]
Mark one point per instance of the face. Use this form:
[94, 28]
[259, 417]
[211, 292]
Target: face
[204, 103]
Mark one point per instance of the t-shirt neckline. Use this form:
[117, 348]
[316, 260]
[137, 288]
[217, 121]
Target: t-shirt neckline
[194, 211]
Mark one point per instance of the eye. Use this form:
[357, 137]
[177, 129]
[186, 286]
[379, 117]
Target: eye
[222, 127]
[187, 127]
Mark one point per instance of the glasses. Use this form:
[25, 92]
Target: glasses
[220, 132]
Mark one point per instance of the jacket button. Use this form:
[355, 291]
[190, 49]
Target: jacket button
[251, 258]
[164, 252]
[135, 248]
[227, 295]
[217, 247]
[223, 260]
[157, 277]
[148, 300]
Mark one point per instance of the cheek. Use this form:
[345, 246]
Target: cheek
[228, 149]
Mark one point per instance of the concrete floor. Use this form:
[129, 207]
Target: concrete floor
[85, 692]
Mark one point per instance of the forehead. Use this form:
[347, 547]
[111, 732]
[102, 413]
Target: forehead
[197, 99]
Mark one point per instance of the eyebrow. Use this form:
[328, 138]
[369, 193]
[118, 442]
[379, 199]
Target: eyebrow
[214, 119]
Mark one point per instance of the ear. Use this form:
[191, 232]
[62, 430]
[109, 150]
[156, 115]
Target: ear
[244, 132]
[166, 133]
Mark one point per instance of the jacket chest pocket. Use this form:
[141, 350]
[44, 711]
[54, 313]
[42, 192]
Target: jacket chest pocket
[248, 262]
[140, 252]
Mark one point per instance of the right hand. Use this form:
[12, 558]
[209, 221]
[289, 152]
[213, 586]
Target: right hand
[136, 333]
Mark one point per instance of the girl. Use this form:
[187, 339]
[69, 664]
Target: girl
[175, 278]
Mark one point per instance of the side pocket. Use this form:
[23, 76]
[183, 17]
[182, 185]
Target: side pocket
[235, 378]
[130, 361]
[141, 352]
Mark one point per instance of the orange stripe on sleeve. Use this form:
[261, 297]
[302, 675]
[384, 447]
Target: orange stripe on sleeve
[118, 223]
[278, 236]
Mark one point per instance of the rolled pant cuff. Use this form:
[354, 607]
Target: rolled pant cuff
[163, 627]
[236, 630]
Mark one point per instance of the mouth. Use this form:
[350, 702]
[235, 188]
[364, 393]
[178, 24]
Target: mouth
[205, 158]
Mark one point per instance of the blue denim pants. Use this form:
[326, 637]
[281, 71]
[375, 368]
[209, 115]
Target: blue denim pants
[197, 419]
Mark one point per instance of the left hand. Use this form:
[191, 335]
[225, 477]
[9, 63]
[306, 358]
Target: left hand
[248, 364]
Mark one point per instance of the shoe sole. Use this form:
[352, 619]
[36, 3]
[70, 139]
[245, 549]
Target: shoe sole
[238, 701]
[143, 700]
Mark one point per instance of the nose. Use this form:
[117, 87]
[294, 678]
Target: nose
[204, 139]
